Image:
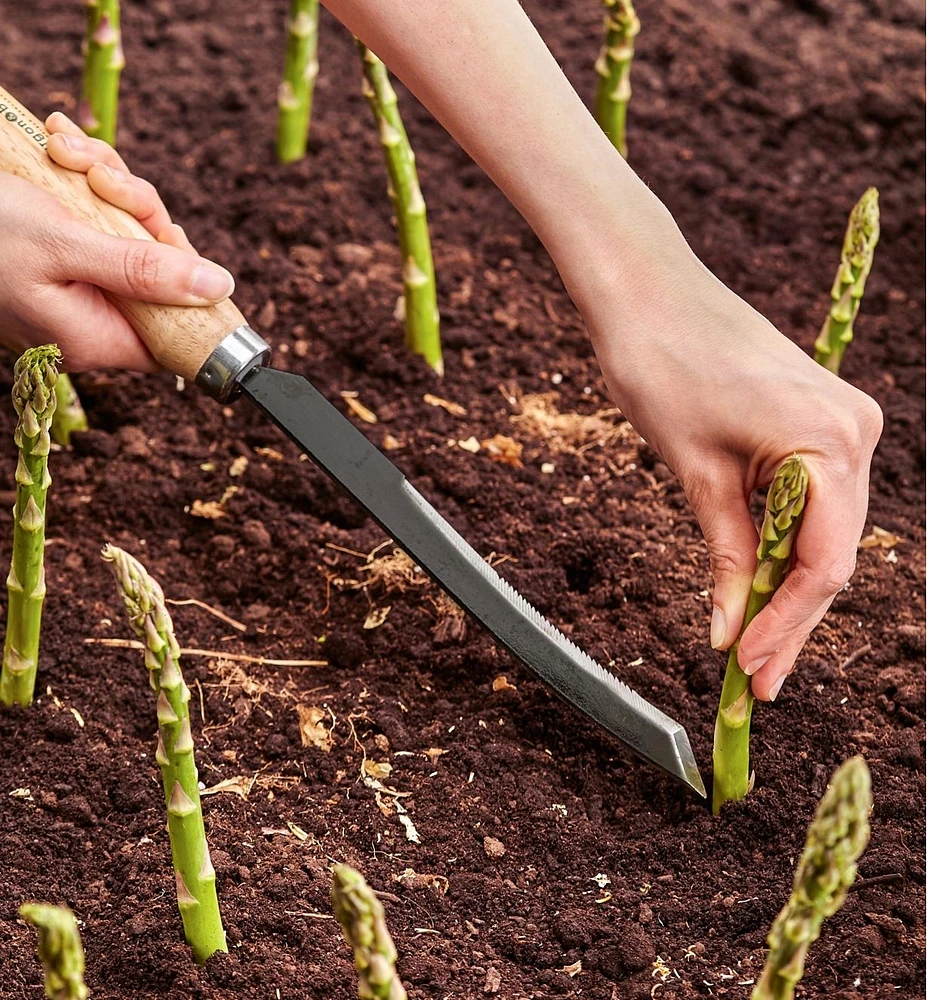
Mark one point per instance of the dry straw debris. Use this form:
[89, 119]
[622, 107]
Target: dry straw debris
[392, 572]
[438, 884]
[212, 510]
[539, 417]
[879, 538]
[313, 730]
[451, 623]
[455, 409]
[376, 617]
[504, 449]
[357, 408]
[501, 683]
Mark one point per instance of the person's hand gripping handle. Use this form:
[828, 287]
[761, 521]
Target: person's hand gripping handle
[210, 344]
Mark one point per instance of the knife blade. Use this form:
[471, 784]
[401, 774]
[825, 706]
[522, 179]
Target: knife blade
[342, 451]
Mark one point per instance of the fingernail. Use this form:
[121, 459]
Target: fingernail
[117, 175]
[61, 114]
[718, 628]
[755, 665]
[74, 142]
[776, 688]
[212, 283]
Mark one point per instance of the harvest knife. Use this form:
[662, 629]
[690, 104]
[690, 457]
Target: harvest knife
[214, 347]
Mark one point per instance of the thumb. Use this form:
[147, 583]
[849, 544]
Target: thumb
[732, 540]
[139, 269]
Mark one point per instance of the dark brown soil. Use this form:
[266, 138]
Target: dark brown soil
[759, 123]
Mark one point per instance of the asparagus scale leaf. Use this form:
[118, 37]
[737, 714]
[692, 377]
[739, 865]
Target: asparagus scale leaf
[418, 274]
[614, 70]
[785, 504]
[363, 924]
[856, 258]
[194, 874]
[34, 377]
[60, 950]
[103, 62]
[69, 415]
[300, 68]
[836, 838]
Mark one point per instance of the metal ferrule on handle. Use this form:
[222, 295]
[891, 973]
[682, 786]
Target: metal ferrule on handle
[211, 345]
[237, 354]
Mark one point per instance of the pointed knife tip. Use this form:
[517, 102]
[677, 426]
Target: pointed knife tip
[688, 768]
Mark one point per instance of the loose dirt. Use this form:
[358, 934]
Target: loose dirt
[549, 863]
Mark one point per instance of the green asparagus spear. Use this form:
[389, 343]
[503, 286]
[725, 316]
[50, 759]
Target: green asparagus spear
[60, 950]
[836, 838]
[69, 414]
[300, 68]
[103, 62]
[193, 870]
[859, 245]
[35, 375]
[363, 924]
[785, 503]
[418, 274]
[614, 69]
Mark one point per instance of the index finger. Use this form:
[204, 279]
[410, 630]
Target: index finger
[70, 146]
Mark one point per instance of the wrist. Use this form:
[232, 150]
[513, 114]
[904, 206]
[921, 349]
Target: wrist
[628, 251]
[633, 277]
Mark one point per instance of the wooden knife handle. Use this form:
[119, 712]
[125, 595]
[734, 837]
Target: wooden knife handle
[182, 338]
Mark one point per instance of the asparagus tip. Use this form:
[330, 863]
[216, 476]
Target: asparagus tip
[34, 376]
[60, 949]
[36, 358]
[363, 924]
[863, 227]
[837, 836]
[142, 594]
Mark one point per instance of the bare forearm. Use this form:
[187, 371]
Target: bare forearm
[482, 69]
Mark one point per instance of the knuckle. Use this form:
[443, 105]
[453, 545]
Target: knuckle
[149, 201]
[143, 269]
[700, 484]
[848, 433]
[844, 444]
[761, 630]
[144, 190]
[854, 431]
[871, 420]
[835, 577]
[725, 562]
[102, 152]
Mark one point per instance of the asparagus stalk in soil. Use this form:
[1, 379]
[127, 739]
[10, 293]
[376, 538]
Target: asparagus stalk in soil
[418, 274]
[60, 950]
[614, 69]
[836, 838]
[34, 378]
[69, 414]
[103, 62]
[193, 870]
[363, 924]
[785, 503]
[859, 245]
[300, 68]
